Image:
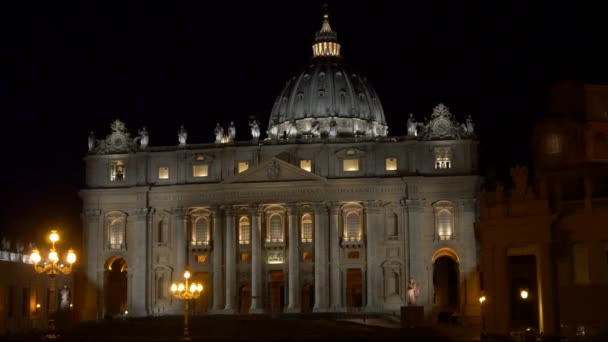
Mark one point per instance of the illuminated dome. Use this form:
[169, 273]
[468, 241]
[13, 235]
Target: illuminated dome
[327, 99]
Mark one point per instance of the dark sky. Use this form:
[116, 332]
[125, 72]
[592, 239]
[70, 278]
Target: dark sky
[70, 67]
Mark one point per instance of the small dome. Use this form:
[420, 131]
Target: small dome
[327, 94]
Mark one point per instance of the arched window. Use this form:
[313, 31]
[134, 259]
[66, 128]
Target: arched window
[444, 222]
[244, 231]
[306, 228]
[353, 227]
[117, 234]
[200, 234]
[276, 228]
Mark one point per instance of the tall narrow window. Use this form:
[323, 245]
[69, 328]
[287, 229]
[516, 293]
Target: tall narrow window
[276, 228]
[163, 172]
[444, 224]
[117, 234]
[443, 158]
[244, 231]
[117, 171]
[306, 228]
[201, 232]
[353, 227]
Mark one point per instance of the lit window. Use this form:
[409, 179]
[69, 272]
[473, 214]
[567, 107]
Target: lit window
[306, 164]
[200, 233]
[353, 255]
[353, 227]
[201, 170]
[245, 257]
[276, 229]
[201, 258]
[244, 231]
[117, 234]
[391, 164]
[243, 166]
[307, 256]
[117, 171]
[350, 152]
[444, 223]
[443, 158]
[200, 157]
[163, 172]
[350, 165]
[306, 228]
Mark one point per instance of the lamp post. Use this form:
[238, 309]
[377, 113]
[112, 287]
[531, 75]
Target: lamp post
[52, 267]
[482, 300]
[186, 292]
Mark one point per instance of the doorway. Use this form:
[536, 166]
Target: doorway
[523, 291]
[244, 298]
[201, 304]
[115, 287]
[445, 284]
[276, 289]
[354, 288]
[308, 297]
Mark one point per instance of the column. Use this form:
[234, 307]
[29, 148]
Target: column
[320, 239]
[179, 222]
[93, 237]
[256, 261]
[373, 273]
[137, 249]
[415, 253]
[334, 255]
[230, 261]
[218, 249]
[294, 260]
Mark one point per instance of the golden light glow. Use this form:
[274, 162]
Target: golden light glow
[35, 257]
[53, 257]
[192, 287]
[37, 306]
[199, 287]
[173, 287]
[180, 287]
[71, 256]
[200, 170]
[351, 165]
[391, 164]
[306, 164]
[482, 299]
[243, 166]
[523, 294]
[187, 274]
[54, 237]
[163, 172]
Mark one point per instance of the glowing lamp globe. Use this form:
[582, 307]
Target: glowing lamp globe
[71, 257]
[54, 237]
[199, 288]
[187, 274]
[53, 257]
[180, 287]
[35, 257]
[173, 287]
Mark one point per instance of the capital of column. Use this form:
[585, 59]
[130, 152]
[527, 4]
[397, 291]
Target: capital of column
[372, 206]
[92, 213]
[255, 209]
[292, 209]
[228, 210]
[319, 208]
[179, 212]
[334, 208]
[215, 210]
[141, 213]
[415, 204]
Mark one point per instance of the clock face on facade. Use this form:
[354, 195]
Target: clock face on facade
[442, 127]
[118, 141]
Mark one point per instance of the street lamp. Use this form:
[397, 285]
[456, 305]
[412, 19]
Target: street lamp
[52, 267]
[186, 292]
[482, 300]
[523, 294]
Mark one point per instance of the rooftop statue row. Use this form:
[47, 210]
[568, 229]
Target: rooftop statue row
[442, 125]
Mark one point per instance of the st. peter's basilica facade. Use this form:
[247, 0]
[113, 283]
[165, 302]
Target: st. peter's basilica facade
[325, 212]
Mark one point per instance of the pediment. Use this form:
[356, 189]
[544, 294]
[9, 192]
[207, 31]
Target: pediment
[274, 170]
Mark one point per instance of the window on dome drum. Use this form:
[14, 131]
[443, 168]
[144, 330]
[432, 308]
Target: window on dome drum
[200, 233]
[117, 234]
[306, 164]
[350, 165]
[117, 171]
[244, 231]
[243, 166]
[443, 158]
[163, 172]
[201, 258]
[391, 164]
[444, 221]
[276, 229]
[306, 228]
[580, 263]
[352, 229]
[200, 170]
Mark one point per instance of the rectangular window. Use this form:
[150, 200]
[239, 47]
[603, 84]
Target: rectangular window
[391, 164]
[201, 258]
[350, 165]
[307, 256]
[243, 166]
[201, 170]
[443, 158]
[245, 257]
[580, 263]
[163, 172]
[306, 164]
[117, 171]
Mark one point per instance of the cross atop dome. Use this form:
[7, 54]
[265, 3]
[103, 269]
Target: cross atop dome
[326, 40]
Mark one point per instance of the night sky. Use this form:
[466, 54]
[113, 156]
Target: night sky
[67, 68]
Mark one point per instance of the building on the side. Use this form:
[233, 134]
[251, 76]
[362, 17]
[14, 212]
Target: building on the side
[324, 213]
[548, 237]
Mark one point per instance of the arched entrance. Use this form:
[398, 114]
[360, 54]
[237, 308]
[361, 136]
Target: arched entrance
[276, 288]
[308, 297]
[446, 277]
[354, 288]
[201, 304]
[244, 298]
[115, 286]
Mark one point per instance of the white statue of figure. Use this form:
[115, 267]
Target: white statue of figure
[219, 133]
[182, 135]
[412, 126]
[144, 137]
[19, 247]
[470, 125]
[91, 141]
[314, 129]
[412, 292]
[231, 131]
[292, 129]
[333, 128]
[64, 293]
[370, 131]
[6, 244]
[255, 129]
